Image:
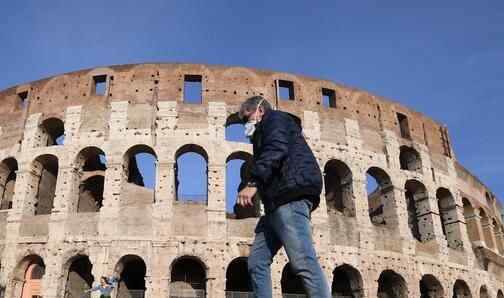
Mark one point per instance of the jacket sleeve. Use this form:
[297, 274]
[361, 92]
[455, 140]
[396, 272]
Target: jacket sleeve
[275, 147]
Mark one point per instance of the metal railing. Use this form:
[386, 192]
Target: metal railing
[187, 293]
[237, 294]
[134, 294]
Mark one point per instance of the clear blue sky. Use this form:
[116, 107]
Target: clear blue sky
[442, 58]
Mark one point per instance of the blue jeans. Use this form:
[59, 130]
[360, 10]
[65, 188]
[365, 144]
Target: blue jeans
[287, 226]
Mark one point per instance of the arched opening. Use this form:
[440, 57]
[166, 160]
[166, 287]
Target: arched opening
[28, 279]
[8, 176]
[461, 289]
[237, 279]
[391, 285]
[449, 218]
[500, 294]
[91, 163]
[132, 272]
[486, 226]
[380, 194]
[237, 176]
[140, 163]
[291, 283]
[53, 131]
[79, 277]
[188, 278]
[235, 130]
[191, 174]
[338, 188]
[45, 171]
[417, 202]
[347, 282]
[472, 223]
[497, 235]
[484, 292]
[430, 287]
[409, 159]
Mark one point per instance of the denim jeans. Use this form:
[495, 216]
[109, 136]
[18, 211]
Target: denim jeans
[287, 226]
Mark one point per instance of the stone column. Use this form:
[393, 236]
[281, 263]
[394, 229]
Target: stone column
[109, 213]
[488, 232]
[474, 228]
[32, 137]
[72, 123]
[216, 209]
[164, 197]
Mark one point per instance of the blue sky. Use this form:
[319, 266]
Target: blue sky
[442, 58]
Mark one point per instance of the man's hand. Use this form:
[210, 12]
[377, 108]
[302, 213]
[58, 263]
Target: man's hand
[245, 196]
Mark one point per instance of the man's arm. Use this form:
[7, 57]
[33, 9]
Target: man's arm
[275, 146]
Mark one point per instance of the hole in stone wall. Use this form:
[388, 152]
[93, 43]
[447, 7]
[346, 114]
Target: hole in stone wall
[79, 277]
[391, 284]
[53, 130]
[237, 279]
[430, 287]
[46, 169]
[380, 193]
[23, 98]
[409, 159]
[191, 174]
[141, 165]
[8, 176]
[461, 289]
[328, 98]
[403, 125]
[285, 90]
[188, 277]
[192, 89]
[237, 175]
[132, 276]
[347, 282]
[99, 85]
[419, 222]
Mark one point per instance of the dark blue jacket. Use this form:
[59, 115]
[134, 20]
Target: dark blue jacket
[284, 166]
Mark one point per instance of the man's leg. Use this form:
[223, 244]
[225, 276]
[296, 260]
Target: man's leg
[265, 246]
[291, 223]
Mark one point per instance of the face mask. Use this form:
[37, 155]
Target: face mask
[250, 126]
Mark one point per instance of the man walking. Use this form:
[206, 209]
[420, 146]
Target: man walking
[287, 177]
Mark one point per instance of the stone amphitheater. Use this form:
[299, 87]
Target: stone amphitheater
[74, 205]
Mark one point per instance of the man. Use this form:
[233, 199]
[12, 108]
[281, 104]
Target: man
[286, 175]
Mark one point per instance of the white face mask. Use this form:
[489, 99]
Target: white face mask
[250, 126]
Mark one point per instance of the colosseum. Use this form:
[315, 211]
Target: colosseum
[75, 206]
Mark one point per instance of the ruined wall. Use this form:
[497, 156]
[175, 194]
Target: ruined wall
[144, 105]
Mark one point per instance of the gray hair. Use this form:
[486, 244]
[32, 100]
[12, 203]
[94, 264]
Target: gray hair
[251, 105]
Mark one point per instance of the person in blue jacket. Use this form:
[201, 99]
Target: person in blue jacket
[287, 177]
[106, 285]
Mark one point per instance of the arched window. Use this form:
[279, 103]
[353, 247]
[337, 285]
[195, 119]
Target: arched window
[461, 289]
[188, 278]
[430, 287]
[449, 218]
[417, 199]
[79, 276]
[237, 175]
[486, 225]
[132, 271]
[53, 131]
[291, 283]
[391, 284]
[338, 188]
[410, 159]
[92, 164]
[45, 169]
[8, 176]
[484, 292]
[347, 282]
[140, 163]
[235, 130]
[380, 196]
[29, 274]
[500, 294]
[237, 279]
[191, 174]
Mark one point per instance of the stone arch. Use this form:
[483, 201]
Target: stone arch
[188, 275]
[391, 285]
[500, 294]
[339, 194]
[347, 282]
[419, 211]
[8, 177]
[409, 159]
[472, 220]
[291, 283]
[237, 175]
[197, 155]
[132, 271]
[140, 166]
[483, 292]
[237, 277]
[43, 183]
[91, 163]
[461, 289]
[78, 275]
[235, 129]
[449, 218]
[28, 274]
[430, 287]
[52, 131]
[381, 199]
[486, 226]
